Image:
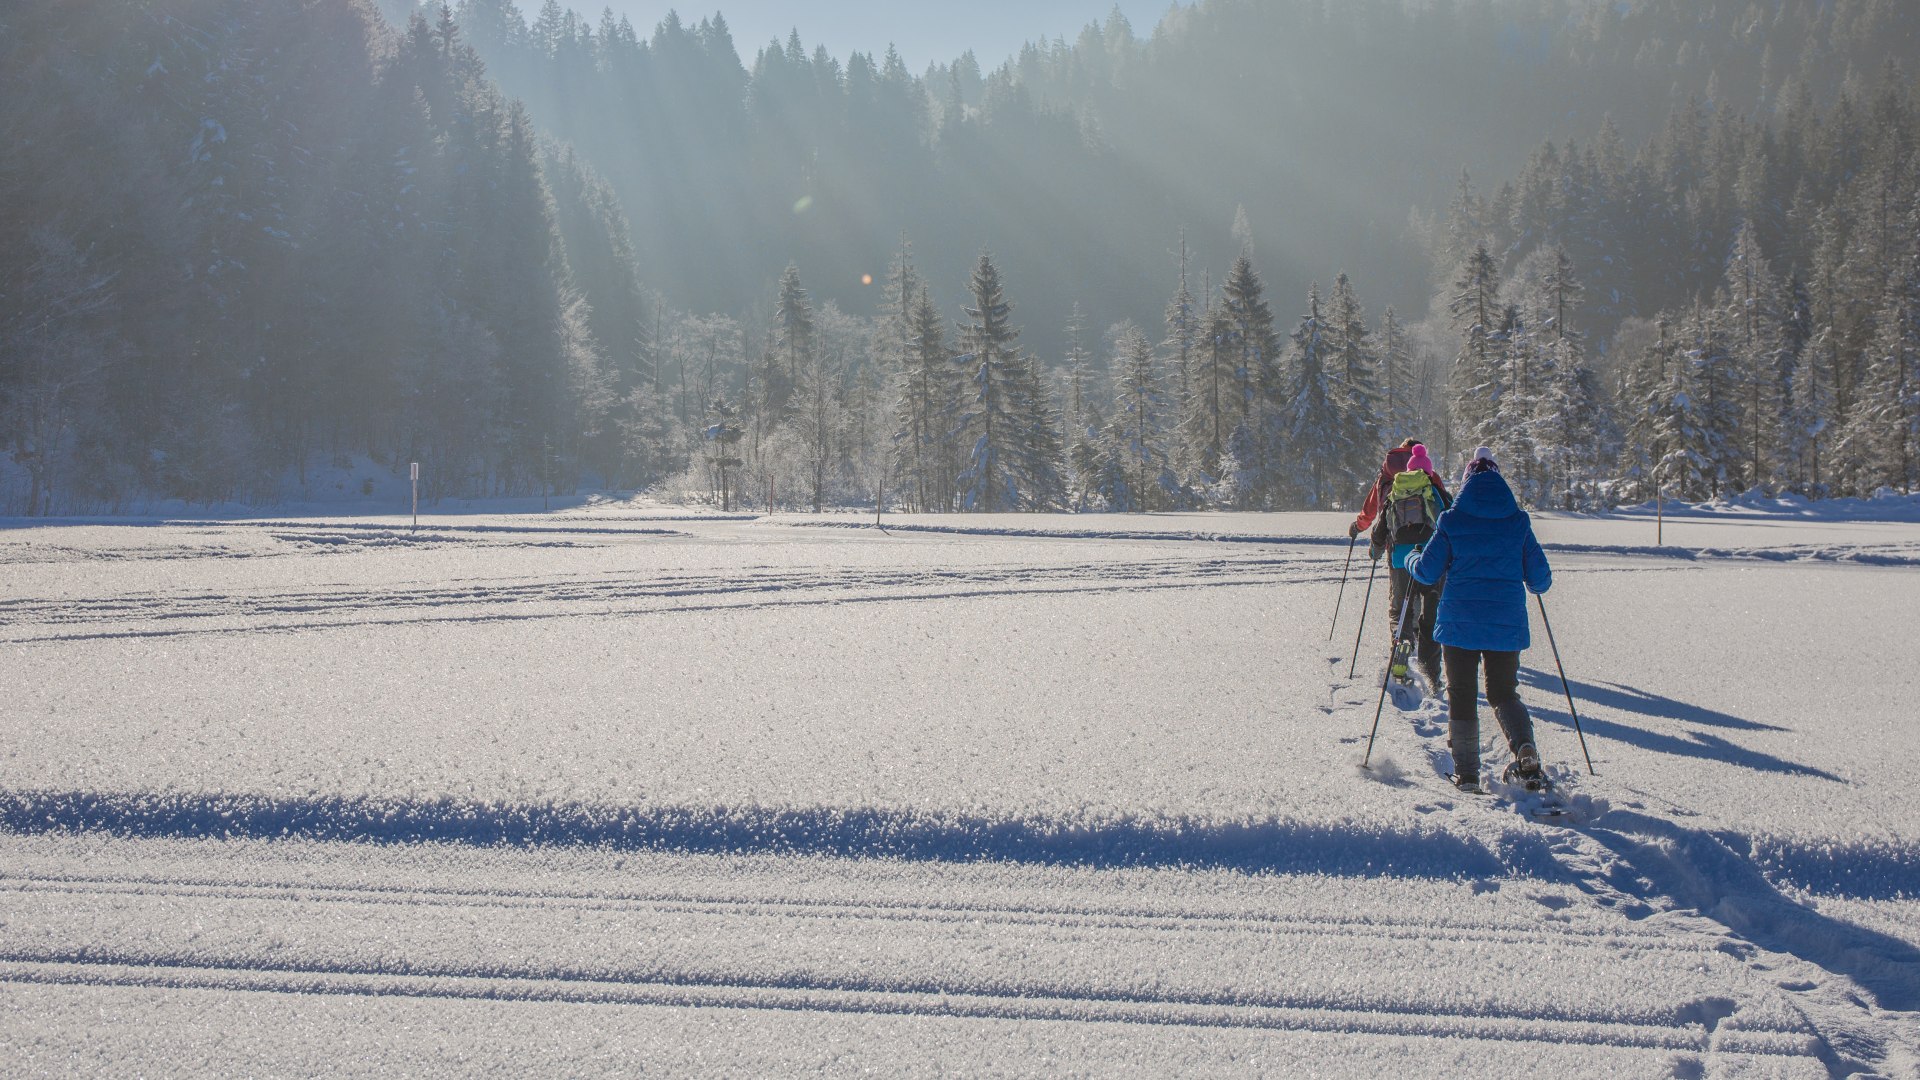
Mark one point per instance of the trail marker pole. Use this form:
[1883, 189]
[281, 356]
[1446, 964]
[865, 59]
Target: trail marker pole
[1564, 685]
[879, 502]
[1358, 634]
[415, 470]
[1659, 515]
[1342, 595]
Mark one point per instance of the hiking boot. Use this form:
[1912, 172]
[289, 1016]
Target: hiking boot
[1469, 785]
[1525, 769]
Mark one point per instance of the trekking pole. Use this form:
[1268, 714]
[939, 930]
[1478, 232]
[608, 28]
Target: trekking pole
[1380, 706]
[1564, 685]
[1363, 620]
[1342, 595]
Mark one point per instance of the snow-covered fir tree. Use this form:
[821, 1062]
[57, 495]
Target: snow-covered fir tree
[1317, 459]
[1085, 418]
[1698, 413]
[1399, 384]
[924, 412]
[792, 350]
[1005, 466]
[1141, 410]
[1182, 321]
[1207, 423]
[1883, 434]
[1475, 386]
[1353, 365]
[1255, 345]
[1645, 394]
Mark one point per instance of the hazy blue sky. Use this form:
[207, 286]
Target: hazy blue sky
[923, 31]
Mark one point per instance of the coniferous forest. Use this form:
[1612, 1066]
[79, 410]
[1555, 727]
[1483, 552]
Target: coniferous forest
[1661, 245]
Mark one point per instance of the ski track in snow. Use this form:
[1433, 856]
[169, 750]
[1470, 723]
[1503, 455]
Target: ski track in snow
[1045, 959]
[28, 620]
[1640, 935]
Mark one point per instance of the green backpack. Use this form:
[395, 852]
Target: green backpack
[1413, 506]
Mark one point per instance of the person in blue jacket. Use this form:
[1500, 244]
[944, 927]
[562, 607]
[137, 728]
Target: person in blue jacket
[1485, 549]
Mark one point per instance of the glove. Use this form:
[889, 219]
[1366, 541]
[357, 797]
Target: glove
[1374, 552]
[1353, 530]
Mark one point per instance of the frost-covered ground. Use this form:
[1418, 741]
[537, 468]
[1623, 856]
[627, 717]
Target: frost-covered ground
[618, 788]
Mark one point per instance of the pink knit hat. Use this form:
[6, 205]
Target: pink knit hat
[1420, 461]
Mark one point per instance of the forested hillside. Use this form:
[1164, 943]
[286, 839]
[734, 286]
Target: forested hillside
[1761, 277]
[1080, 160]
[1219, 266]
[242, 237]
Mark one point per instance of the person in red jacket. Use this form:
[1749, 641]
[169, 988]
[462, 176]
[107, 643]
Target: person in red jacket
[1395, 465]
[1404, 539]
[1399, 460]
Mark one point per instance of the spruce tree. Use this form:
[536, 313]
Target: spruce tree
[923, 411]
[1399, 385]
[1756, 316]
[991, 478]
[1311, 421]
[1035, 457]
[1883, 434]
[1182, 322]
[1085, 423]
[1699, 411]
[1140, 409]
[1353, 364]
[1208, 422]
[792, 350]
[1256, 349]
[818, 412]
[1646, 392]
[1476, 382]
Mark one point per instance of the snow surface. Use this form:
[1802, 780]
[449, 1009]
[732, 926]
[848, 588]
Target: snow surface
[620, 788]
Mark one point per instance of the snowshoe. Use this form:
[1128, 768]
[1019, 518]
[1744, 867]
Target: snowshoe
[1468, 785]
[1525, 770]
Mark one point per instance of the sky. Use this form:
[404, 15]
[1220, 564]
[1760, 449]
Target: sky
[923, 32]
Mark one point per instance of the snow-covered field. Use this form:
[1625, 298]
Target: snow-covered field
[618, 789]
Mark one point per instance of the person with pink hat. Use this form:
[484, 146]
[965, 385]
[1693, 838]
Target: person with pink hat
[1410, 508]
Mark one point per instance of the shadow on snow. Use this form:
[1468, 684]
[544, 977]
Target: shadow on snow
[1248, 846]
[1694, 744]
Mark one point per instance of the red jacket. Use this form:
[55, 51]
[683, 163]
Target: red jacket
[1395, 465]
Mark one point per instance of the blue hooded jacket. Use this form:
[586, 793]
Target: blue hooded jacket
[1485, 549]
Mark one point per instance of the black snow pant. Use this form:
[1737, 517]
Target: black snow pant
[1420, 617]
[1503, 693]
